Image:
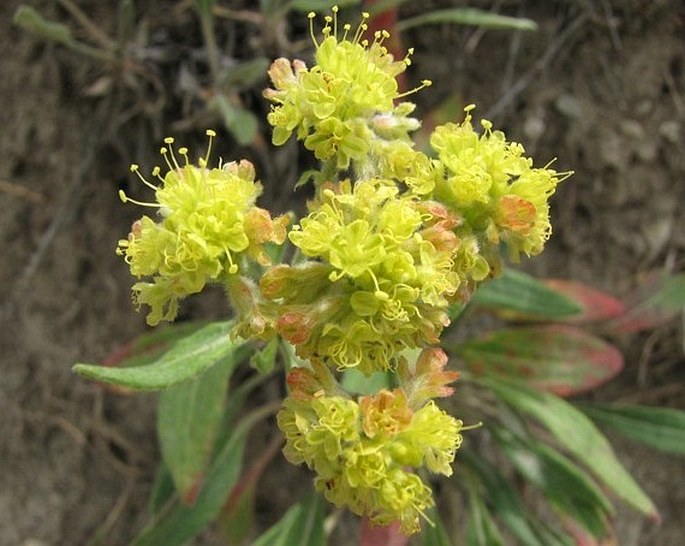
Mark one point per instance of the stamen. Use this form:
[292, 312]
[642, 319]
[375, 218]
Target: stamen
[361, 29]
[424, 83]
[311, 16]
[211, 134]
[334, 9]
[347, 27]
[471, 427]
[407, 57]
[170, 140]
[184, 153]
[165, 154]
[233, 268]
[125, 199]
[155, 173]
[326, 30]
[136, 169]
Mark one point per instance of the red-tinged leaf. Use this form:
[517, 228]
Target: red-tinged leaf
[583, 538]
[595, 305]
[374, 535]
[560, 359]
[518, 296]
[659, 299]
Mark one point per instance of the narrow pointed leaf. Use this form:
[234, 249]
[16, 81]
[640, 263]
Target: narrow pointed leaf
[595, 305]
[180, 522]
[565, 486]
[660, 428]
[519, 296]
[148, 347]
[659, 300]
[187, 358]
[578, 435]
[469, 16]
[188, 419]
[505, 501]
[481, 529]
[560, 359]
[163, 489]
[29, 19]
[302, 525]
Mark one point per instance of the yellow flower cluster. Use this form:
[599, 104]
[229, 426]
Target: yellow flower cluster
[335, 106]
[494, 187]
[364, 452]
[382, 282]
[207, 221]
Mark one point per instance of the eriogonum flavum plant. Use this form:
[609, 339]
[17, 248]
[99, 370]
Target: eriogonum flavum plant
[393, 236]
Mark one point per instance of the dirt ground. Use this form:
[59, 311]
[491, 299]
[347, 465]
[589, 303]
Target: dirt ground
[600, 86]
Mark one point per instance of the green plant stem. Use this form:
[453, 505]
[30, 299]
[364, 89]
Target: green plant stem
[207, 26]
[95, 32]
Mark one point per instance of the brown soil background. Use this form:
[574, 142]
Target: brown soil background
[601, 86]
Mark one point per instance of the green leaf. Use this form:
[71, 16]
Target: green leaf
[181, 522]
[29, 19]
[595, 305]
[188, 419]
[660, 428]
[573, 430]
[356, 382]
[469, 16]
[560, 359]
[246, 74]
[565, 486]
[659, 300]
[481, 529]
[264, 360]
[302, 525]
[550, 536]
[241, 123]
[163, 489]
[188, 358]
[520, 296]
[148, 347]
[504, 499]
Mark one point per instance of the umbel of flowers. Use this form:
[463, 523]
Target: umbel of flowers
[393, 236]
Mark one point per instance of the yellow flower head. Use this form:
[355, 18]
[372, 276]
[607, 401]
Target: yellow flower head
[378, 285]
[335, 106]
[495, 188]
[207, 219]
[364, 453]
